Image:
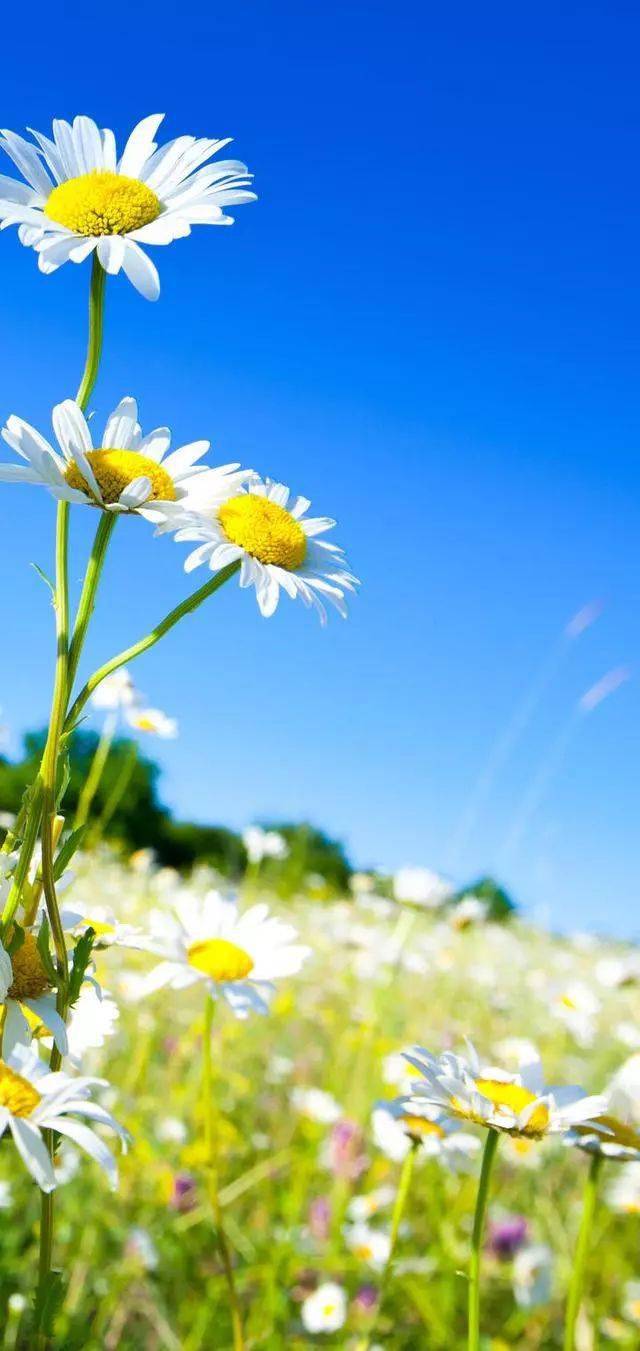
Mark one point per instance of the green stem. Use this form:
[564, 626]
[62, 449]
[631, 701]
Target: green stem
[118, 791]
[96, 329]
[396, 1220]
[211, 1150]
[96, 770]
[49, 766]
[130, 653]
[89, 589]
[576, 1287]
[488, 1157]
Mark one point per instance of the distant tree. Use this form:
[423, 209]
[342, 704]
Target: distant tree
[184, 844]
[310, 851]
[499, 902]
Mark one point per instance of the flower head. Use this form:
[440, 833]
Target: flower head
[237, 956]
[153, 721]
[259, 526]
[326, 1309]
[126, 472]
[519, 1104]
[78, 197]
[404, 1123]
[32, 1100]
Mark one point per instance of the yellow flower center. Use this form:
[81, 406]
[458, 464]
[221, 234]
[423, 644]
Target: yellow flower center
[16, 1093]
[30, 979]
[220, 959]
[514, 1097]
[102, 204]
[265, 530]
[420, 1125]
[617, 1132]
[115, 470]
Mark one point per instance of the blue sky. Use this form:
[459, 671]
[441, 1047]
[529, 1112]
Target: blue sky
[429, 325]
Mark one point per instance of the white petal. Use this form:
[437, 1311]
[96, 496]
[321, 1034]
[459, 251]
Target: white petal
[33, 1151]
[141, 272]
[140, 146]
[121, 426]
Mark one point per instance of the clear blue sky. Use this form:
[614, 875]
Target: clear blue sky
[429, 325]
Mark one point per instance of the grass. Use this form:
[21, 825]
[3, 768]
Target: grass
[379, 979]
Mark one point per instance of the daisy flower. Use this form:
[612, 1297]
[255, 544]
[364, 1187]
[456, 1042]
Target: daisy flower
[269, 533]
[614, 1133]
[78, 197]
[518, 1104]
[123, 473]
[370, 1245]
[153, 721]
[115, 692]
[325, 1310]
[32, 1100]
[237, 956]
[403, 1123]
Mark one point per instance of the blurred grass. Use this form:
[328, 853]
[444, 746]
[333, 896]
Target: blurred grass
[357, 1000]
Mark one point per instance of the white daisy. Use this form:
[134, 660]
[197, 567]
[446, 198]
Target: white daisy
[370, 1245]
[404, 1123]
[614, 1133]
[79, 197]
[115, 692]
[326, 1309]
[259, 526]
[519, 1104]
[32, 1100]
[123, 473]
[93, 1019]
[237, 956]
[261, 844]
[153, 721]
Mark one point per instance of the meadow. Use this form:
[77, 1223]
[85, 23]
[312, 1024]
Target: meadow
[307, 1172]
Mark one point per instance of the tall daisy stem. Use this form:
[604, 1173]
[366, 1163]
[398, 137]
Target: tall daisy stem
[576, 1288]
[118, 791]
[130, 653]
[47, 797]
[488, 1157]
[212, 1153]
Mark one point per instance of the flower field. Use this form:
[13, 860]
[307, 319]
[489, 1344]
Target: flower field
[307, 1163]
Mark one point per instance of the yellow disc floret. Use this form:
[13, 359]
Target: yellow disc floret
[102, 203]
[264, 530]
[220, 959]
[30, 979]
[419, 1126]
[115, 470]
[17, 1094]
[514, 1098]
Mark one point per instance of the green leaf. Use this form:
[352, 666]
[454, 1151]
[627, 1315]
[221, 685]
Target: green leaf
[17, 939]
[65, 855]
[43, 576]
[81, 958]
[49, 1302]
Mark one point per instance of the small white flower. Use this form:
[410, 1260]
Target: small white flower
[153, 721]
[520, 1104]
[78, 197]
[261, 844]
[372, 1246]
[126, 472]
[32, 1100]
[370, 1203]
[171, 1130]
[115, 692]
[399, 1125]
[470, 910]
[317, 1105]
[237, 956]
[325, 1310]
[259, 526]
[420, 886]
[532, 1276]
